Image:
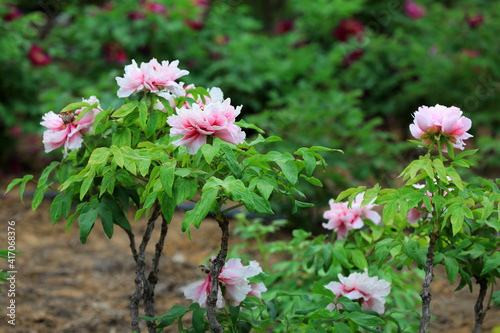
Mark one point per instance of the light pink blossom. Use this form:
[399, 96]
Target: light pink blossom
[359, 286]
[63, 130]
[414, 10]
[234, 276]
[151, 76]
[197, 123]
[436, 120]
[215, 93]
[341, 219]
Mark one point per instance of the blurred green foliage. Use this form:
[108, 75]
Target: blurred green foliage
[283, 60]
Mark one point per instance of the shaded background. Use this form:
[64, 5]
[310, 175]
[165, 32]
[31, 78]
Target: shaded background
[345, 74]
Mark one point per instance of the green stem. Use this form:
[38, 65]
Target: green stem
[440, 150]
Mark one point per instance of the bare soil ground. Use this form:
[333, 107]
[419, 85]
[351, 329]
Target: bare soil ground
[68, 287]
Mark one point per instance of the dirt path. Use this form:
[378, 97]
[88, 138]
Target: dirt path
[68, 287]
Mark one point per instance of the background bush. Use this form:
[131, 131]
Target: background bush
[294, 65]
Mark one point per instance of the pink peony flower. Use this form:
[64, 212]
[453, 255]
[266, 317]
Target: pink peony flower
[438, 120]
[413, 10]
[474, 21]
[38, 57]
[359, 286]
[151, 76]
[341, 219]
[416, 214]
[215, 93]
[234, 276]
[62, 129]
[349, 28]
[197, 123]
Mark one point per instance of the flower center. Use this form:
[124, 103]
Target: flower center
[67, 117]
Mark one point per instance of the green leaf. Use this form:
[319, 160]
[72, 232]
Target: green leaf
[201, 209]
[152, 123]
[272, 308]
[428, 169]
[144, 164]
[46, 173]
[167, 176]
[340, 327]
[231, 161]
[210, 151]
[38, 196]
[74, 106]
[364, 319]
[84, 111]
[359, 259]
[143, 114]
[106, 219]
[185, 188]
[313, 180]
[491, 263]
[265, 186]
[390, 210]
[167, 204]
[290, 171]
[86, 220]
[487, 208]
[117, 154]
[125, 109]
[440, 169]
[466, 153]
[108, 183]
[60, 206]
[243, 124]
[310, 163]
[86, 184]
[349, 305]
[101, 117]
[99, 156]
[118, 215]
[452, 267]
[455, 177]
[199, 320]
[122, 137]
[457, 220]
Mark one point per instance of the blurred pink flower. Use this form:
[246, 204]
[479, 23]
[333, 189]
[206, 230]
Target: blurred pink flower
[341, 219]
[349, 28]
[62, 129]
[284, 26]
[413, 10]
[359, 286]
[474, 21]
[234, 276]
[416, 214]
[151, 76]
[197, 123]
[13, 14]
[435, 120]
[38, 57]
[114, 52]
[154, 7]
[352, 57]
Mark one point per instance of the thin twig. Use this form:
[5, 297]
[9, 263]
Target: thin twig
[479, 312]
[217, 265]
[425, 294]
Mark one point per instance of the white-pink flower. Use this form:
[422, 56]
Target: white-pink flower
[197, 123]
[151, 76]
[234, 276]
[341, 219]
[359, 286]
[215, 93]
[438, 119]
[63, 130]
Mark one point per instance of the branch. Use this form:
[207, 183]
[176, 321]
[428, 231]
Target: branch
[217, 265]
[140, 277]
[425, 294]
[134, 300]
[149, 288]
[141, 264]
[479, 312]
